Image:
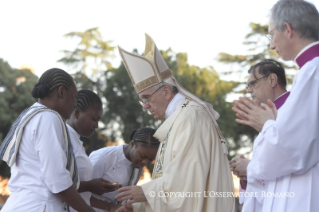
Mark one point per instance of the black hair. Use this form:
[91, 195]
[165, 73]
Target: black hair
[86, 98]
[51, 80]
[144, 136]
[269, 66]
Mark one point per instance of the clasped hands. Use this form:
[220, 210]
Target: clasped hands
[250, 113]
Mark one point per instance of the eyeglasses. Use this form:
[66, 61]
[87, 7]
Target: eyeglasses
[251, 84]
[146, 101]
[269, 36]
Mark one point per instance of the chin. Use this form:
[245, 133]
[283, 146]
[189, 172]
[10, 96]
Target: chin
[157, 117]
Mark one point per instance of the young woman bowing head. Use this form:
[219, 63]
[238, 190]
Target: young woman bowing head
[83, 122]
[124, 163]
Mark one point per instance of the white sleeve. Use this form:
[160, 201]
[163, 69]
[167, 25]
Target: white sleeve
[291, 143]
[50, 148]
[102, 161]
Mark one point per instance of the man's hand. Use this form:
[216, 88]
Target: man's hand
[252, 114]
[100, 186]
[124, 209]
[238, 165]
[133, 193]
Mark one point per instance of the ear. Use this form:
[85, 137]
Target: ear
[288, 29]
[132, 143]
[168, 92]
[77, 113]
[61, 92]
[273, 79]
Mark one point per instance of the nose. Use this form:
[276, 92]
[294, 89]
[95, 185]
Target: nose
[96, 125]
[146, 161]
[146, 106]
[249, 90]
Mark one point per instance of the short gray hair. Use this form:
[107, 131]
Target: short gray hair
[302, 16]
[172, 87]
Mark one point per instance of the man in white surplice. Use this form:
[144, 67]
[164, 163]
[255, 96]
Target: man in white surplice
[288, 156]
[267, 80]
[192, 158]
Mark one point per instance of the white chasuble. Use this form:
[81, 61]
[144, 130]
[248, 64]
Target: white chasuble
[191, 172]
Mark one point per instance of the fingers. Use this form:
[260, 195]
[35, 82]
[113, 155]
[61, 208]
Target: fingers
[272, 106]
[129, 204]
[126, 188]
[242, 156]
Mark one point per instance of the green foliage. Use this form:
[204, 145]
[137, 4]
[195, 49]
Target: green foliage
[15, 96]
[90, 57]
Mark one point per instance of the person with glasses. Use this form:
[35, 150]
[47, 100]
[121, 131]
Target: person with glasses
[266, 80]
[288, 150]
[192, 157]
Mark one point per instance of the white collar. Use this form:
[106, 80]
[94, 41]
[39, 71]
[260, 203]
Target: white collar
[304, 49]
[71, 130]
[280, 96]
[174, 104]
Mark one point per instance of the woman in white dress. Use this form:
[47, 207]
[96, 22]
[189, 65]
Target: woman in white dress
[83, 122]
[123, 163]
[43, 172]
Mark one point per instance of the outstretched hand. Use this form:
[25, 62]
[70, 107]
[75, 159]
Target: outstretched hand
[238, 165]
[132, 193]
[254, 115]
[100, 186]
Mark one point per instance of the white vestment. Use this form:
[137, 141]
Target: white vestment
[252, 196]
[40, 168]
[288, 151]
[191, 171]
[85, 168]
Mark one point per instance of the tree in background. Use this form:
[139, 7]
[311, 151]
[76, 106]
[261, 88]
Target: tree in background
[15, 92]
[90, 59]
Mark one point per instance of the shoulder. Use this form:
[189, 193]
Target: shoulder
[109, 154]
[194, 112]
[46, 119]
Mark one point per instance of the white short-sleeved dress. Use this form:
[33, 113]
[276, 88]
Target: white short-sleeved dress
[40, 167]
[85, 168]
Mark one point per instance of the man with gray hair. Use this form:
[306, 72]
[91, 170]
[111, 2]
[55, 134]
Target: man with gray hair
[288, 150]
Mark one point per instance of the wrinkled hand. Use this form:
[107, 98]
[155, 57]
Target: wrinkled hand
[238, 165]
[100, 186]
[133, 193]
[124, 209]
[254, 115]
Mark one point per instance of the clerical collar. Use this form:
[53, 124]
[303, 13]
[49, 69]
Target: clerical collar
[174, 104]
[308, 53]
[281, 99]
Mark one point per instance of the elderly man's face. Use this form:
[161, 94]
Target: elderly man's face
[157, 103]
[259, 87]
[280, 42]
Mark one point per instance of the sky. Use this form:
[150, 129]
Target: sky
[31, 32]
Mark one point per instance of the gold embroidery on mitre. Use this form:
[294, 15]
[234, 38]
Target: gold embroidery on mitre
[166, 74]
[146, 84]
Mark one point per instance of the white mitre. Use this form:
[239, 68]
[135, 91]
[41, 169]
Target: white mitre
[151, 69]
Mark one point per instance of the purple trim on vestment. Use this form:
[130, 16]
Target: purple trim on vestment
[281, 100]
[308, 55]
